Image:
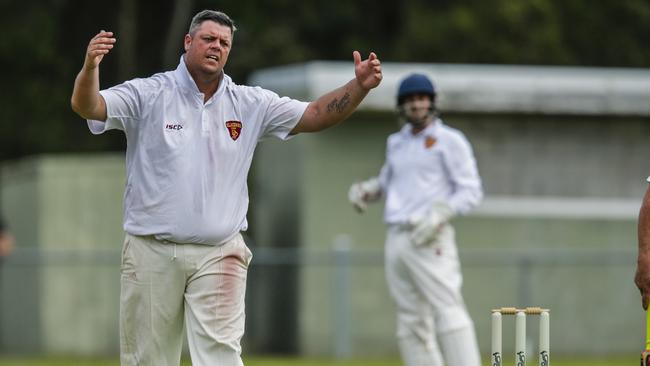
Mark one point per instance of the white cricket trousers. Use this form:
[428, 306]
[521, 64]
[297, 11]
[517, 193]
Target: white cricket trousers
[165, 286]
[425, 283]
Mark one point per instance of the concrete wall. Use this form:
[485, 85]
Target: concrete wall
[567, 156]
[60, 289]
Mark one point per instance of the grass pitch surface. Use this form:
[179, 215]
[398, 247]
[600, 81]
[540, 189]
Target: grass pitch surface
[258, 361]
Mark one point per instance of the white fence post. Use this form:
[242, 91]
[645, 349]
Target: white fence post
[341, 296]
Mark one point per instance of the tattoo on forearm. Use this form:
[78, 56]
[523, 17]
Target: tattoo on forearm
[337, 105]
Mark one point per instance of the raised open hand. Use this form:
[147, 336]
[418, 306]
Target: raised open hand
[367, 72]
[99, 45]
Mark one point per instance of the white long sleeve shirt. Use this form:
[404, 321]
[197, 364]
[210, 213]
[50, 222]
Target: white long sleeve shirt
[187, 161]
[435, 165]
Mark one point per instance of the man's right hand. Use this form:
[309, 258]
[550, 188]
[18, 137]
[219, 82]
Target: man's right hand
[361, 193]
[86, 100]
[642, 278]
[99, 45]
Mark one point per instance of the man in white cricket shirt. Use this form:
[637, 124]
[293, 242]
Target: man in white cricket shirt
[429, 176]
[191, 134]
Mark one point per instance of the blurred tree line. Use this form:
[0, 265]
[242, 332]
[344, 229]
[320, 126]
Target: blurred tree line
[42, 45]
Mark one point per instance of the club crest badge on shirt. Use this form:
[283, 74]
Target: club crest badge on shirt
[429, 141]
[234, 128]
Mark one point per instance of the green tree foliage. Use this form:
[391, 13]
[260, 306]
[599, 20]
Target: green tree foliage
[42, 45]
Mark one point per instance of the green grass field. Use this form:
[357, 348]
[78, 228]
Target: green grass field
[632, 360]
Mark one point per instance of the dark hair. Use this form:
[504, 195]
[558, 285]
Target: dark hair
[213, 15]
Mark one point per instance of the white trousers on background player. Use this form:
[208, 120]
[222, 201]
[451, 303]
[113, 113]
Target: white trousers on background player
[166, 285]
[425, 283]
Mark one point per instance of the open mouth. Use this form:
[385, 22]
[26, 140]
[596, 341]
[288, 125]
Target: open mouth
[214, 58]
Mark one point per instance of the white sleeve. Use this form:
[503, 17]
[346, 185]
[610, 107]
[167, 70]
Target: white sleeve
[122, 106]
[468, 190]
[385, 172]
[282, 115]
[384, 177]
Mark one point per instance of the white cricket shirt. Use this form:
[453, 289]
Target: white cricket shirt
[435, 165]
[187, 161]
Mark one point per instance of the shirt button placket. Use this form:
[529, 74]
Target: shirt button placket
[204, 121]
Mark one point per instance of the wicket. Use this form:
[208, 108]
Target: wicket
[520, 334]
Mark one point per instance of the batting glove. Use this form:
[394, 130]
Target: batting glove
[362, 193]
[426, 229]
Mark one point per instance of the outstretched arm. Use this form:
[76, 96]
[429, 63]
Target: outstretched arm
[337, 105]
[86, 100]
[642, 278]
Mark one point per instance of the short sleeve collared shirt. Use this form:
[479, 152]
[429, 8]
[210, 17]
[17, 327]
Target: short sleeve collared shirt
[435, 165]
[187, 161]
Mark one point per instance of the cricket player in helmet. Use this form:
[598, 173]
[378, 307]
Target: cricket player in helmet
[429, 176]
[421, 111]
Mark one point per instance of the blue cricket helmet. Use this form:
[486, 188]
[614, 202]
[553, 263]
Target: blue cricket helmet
[415, 84]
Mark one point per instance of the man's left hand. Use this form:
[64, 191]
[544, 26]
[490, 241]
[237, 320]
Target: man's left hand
[367, 72]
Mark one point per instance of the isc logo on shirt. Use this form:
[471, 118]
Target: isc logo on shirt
[175, 127]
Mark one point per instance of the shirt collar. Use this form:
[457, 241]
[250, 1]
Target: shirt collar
[184, 78]
[432, 128]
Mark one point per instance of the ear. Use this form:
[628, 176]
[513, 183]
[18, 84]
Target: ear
[187, 42]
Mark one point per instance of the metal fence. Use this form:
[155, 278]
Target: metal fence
[594, 306]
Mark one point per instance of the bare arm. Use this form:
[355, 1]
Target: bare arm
[337, 105]
[642, 278]
[86, 100]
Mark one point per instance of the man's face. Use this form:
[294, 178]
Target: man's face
[208, 49]
[417, 108]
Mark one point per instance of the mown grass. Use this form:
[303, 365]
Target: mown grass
[264, 361]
